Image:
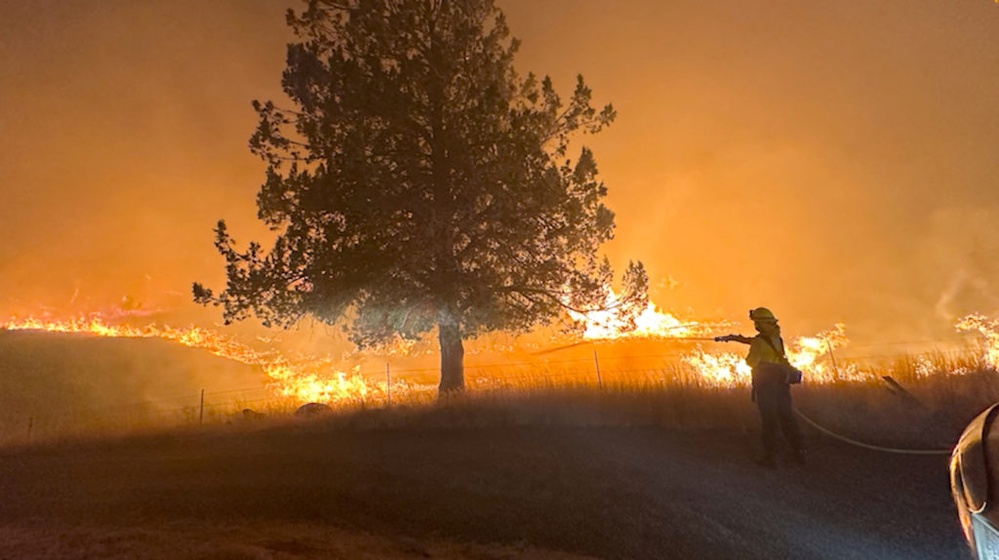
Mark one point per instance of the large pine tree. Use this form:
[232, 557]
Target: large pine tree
[418, 182]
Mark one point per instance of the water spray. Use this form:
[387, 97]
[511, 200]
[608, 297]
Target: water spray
[661, 338]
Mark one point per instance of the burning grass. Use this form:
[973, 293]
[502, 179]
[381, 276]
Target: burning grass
[651, 378]
[906, 408]
[918, 412]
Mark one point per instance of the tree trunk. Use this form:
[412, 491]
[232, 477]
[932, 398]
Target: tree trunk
[443, 211]
[452, 359]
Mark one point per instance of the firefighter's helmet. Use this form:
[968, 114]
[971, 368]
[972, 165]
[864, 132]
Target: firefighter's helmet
[762, 314]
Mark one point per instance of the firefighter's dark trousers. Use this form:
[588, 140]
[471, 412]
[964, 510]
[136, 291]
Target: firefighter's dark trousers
[774, 402]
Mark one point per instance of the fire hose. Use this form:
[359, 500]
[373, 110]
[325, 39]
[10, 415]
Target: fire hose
[881, 448]
[808, 420]
[669, 338]
[832, 434]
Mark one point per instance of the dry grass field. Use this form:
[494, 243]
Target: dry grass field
[653, 466]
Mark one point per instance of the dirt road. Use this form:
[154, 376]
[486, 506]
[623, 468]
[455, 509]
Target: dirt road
[600, 492]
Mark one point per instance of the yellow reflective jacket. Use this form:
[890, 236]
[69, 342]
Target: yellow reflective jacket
[760, 351]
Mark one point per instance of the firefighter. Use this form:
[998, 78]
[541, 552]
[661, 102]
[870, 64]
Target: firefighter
[772, 380]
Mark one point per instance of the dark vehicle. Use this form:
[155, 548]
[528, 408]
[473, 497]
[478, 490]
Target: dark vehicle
[974, 482]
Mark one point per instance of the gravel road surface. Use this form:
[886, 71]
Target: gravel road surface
[596, 492]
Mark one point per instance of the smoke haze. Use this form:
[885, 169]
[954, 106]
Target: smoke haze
[834, 161]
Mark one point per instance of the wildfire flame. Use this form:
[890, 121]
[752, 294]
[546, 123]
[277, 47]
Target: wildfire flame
[297, 382]
[724, 369]
[311, 379]
[306, 380]
[989, 328]
[616, 320]
[813, 355]
[810, 354]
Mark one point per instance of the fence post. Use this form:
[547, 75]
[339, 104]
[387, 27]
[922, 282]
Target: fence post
[201, 411]
[388, 386]
[833, 358]
[596, 362]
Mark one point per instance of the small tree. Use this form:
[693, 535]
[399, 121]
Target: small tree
[418, 182]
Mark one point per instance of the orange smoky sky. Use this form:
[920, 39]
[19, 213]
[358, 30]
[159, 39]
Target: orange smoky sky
[836, 161]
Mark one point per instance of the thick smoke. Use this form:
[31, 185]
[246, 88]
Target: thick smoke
[834, 161]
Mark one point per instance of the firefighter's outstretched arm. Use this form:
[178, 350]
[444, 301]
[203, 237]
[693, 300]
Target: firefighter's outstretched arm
[734, 338]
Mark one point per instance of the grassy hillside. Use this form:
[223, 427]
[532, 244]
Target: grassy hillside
[57, 382]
